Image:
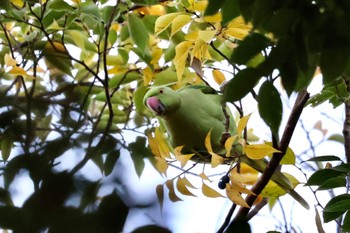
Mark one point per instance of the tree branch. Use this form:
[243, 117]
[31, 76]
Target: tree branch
[300, 102]
[346, 127]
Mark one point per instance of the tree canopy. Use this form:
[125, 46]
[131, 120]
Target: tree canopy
[74, 74]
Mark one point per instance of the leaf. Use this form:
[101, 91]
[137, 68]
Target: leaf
[163, 22]
[241, 84]
[161, 165]
[234, 195]
[110, 162]
[183, 159]
[18, 71]
[333, 205]
[318, 222]
[259, 151]
[138, 32]
[229, 143]
[139, 151]
[324, 158]
[346, 223]
[270, 106]
[342, 204]
[320, 177]
[209, 192]
[179, 22]
[9, 61]
[213, 7]
[204, 176]
[333, 61]
[218, 76]
[181, 55]
[336, 182]
[172, 195]
[182, 188]
[242, 123]
[215, 158]
[288, 158]
[249, 48]
[17, 3]
[160, 195]
[6, 146]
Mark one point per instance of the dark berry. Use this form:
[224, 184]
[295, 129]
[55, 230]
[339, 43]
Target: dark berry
[221, 185]
[225, 179]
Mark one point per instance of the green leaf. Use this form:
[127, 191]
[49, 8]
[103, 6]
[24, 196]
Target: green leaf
[230, 10]
[337, 138]
[6, 146]
[111, 159]
[270, 106]
[322, 176]
[333, 61]
[138, 98]
[139, 151]
[241, 84]
[138, 31]
[342, 203]
[324, 158]
[332, 183]
[59, 5]
[251, 46]
[214, 6]
[119, 79]
[346, 223]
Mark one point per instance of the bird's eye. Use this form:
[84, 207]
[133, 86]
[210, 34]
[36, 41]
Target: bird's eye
[161, 91]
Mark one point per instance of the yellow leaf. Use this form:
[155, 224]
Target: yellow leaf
[17, 3]
[181, 187]
[55, 26]
[206, 35]
[216, 160]
[200, 5]
[18, 71]
[289, 156]
[234, 195]
[183, 159]
[207, 142]
[118, 69]
[237, 28]
[163, 146]
[163, 22]
[172, 195]
[242, 124]
[209, 192]
[218, 76]
[244, 178]
[187, 183]
[156, 54]
[245, 169]
[9, 61]
[204, 176]
[213, 18]
[228, 144]
[259, 151]
[161, 165]
[179, 22]
[180, 59]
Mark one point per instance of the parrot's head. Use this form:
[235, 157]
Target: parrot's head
[162, 100]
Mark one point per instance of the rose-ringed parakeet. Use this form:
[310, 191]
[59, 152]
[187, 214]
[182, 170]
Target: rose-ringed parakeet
[190, 113]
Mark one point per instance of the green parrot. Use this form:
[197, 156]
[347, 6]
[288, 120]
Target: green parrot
[190, 113]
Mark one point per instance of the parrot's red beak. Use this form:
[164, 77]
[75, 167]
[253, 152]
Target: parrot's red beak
[155, 105]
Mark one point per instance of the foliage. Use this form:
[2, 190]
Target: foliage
[74, 73]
